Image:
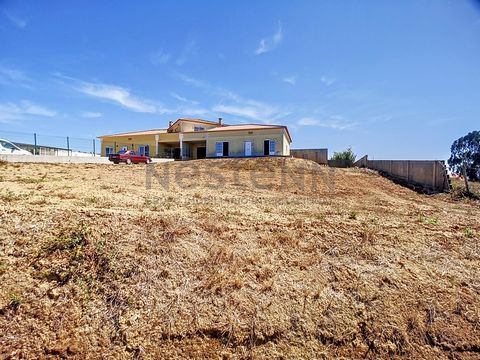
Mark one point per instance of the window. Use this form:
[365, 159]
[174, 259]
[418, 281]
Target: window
[198, 128]
[272, 147]
[108, 150]
[269, 147]
[7, 145]
[219, 148]
[144, 150]
[123, 148]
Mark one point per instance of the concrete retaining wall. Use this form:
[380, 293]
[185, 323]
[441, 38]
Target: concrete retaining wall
[318, 155]
[429, 174]
[62, 159]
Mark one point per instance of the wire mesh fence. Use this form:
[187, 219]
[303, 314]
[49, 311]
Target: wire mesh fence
[44, 144]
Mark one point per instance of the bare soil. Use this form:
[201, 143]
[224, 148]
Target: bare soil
[251, 258]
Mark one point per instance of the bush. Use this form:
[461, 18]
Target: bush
[347, 157]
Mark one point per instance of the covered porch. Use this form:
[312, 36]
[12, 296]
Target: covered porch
[182, 150]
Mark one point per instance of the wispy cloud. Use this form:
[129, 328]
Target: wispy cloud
[233, 104]
[185, 53]
[159, 57]
[118, 95]
[114, 94]
[182, 99]
[336, 122]
[17, 21]
[327, 80]
[91, 114]
[270, 43]
[292, 80]
[15, 77]
[24, 109]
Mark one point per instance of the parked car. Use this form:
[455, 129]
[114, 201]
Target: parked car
[129, 157]
[8, 148]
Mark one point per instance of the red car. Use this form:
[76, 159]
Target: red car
[129, 157]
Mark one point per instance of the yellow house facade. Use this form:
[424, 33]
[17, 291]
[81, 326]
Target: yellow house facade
[187, 139]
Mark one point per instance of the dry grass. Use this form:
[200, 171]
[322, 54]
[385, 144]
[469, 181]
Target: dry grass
[92, 264]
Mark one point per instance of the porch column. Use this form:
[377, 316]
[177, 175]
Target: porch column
[180, 136]
[157, 139]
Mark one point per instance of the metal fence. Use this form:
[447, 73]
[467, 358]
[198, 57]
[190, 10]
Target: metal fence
[43, 144]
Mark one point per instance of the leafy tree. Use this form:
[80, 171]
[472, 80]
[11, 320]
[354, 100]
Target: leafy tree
[346, 156]
[466, 152]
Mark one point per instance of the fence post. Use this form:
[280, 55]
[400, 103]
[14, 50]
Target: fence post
[434, 174]
[35, 142]
[68, 146]
[408, 170]
[93, 147]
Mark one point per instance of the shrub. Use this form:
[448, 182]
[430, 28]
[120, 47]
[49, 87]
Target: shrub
[347, 156]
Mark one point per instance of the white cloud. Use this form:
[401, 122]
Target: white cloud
[327, 80]
[336, 122]
[251, 109]
[18, 22]
[91, 115]
[189, 111]
[183, 99]
[292, 80]
[117, 95]
[186, 51]
[159, 57]
[9, 76]
[270, 43]
[24, 109]
[233, 104]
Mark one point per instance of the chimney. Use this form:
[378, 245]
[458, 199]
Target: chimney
[220, 121]
[170, 123]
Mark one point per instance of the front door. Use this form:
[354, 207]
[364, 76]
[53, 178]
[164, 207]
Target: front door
[201, 152]
[266, 147]
[248, 148]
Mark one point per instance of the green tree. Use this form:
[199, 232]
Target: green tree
[466, 153]
[347, 156]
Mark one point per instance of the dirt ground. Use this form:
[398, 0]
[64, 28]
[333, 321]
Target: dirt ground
[251, 258]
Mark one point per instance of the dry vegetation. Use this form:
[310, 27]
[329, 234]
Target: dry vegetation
[236, 261]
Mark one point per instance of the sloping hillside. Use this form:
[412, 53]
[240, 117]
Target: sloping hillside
[258, 258]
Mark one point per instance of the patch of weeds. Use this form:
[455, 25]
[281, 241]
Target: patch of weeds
[320, 216]
[15, 302]
[1, 179]
[420, 217]
[9, 196]
[67, 242]
[197, 195]
[29, 180]
[353, 215]
[433, 221]
[92, 200]
[268, 210]
[41, 201]
[368, 232]
[65, 195]
[3, 267]
[469, 232]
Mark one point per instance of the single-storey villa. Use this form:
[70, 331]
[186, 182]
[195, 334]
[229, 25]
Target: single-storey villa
[187, 139]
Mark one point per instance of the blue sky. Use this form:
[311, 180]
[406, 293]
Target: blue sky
[392, 79]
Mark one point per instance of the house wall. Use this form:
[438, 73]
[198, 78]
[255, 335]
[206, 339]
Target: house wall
[132, 143]
[188, 126]
[236, 140]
